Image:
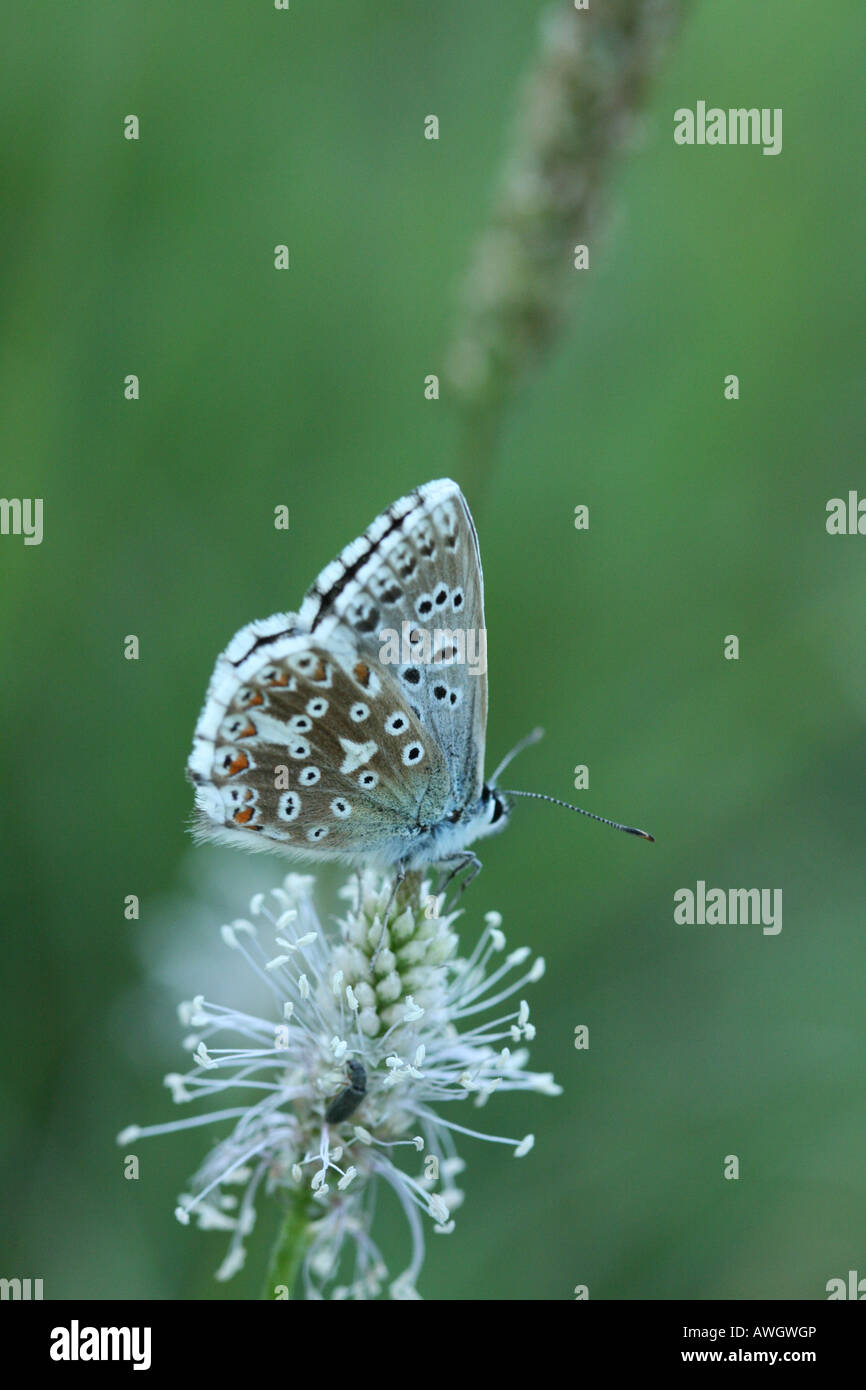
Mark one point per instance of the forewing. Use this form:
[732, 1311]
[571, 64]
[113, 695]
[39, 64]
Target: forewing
[417, 570]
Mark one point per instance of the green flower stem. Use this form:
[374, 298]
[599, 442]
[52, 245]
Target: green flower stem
[580, 105]
[293, 1240]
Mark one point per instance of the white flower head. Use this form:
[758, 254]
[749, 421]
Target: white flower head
[374, 1029]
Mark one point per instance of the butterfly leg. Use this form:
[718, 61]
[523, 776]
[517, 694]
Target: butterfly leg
[468, 861]
[399, 875]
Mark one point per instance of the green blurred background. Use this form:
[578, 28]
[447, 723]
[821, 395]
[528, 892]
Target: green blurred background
[306, 388]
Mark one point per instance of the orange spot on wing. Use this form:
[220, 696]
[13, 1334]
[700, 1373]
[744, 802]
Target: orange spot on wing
[362, 672]
[249, 731]
[244, 816]
[320, 673]
[238, 764]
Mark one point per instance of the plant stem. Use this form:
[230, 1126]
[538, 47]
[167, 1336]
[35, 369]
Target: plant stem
[579, 110]
[293, 1239]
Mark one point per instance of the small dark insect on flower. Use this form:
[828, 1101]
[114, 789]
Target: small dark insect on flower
[347, 1101]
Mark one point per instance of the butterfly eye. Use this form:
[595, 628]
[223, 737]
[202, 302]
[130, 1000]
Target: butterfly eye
[453, 817]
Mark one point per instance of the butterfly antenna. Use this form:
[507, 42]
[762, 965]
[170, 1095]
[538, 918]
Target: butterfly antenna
[540, 796]
[518, 748]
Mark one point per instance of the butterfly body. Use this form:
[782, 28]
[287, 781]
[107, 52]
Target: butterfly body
[354, 729]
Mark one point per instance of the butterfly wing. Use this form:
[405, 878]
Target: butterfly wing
[304, 746]
[417, 569]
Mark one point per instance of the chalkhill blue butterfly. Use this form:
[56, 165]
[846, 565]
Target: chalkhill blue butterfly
[354, 729]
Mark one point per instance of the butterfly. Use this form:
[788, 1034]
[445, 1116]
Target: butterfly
[354, 729]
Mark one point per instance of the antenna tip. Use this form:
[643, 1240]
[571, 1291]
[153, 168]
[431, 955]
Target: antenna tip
[645, 835]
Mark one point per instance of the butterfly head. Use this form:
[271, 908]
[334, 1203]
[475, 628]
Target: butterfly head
[493, 811]
[486, 816]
